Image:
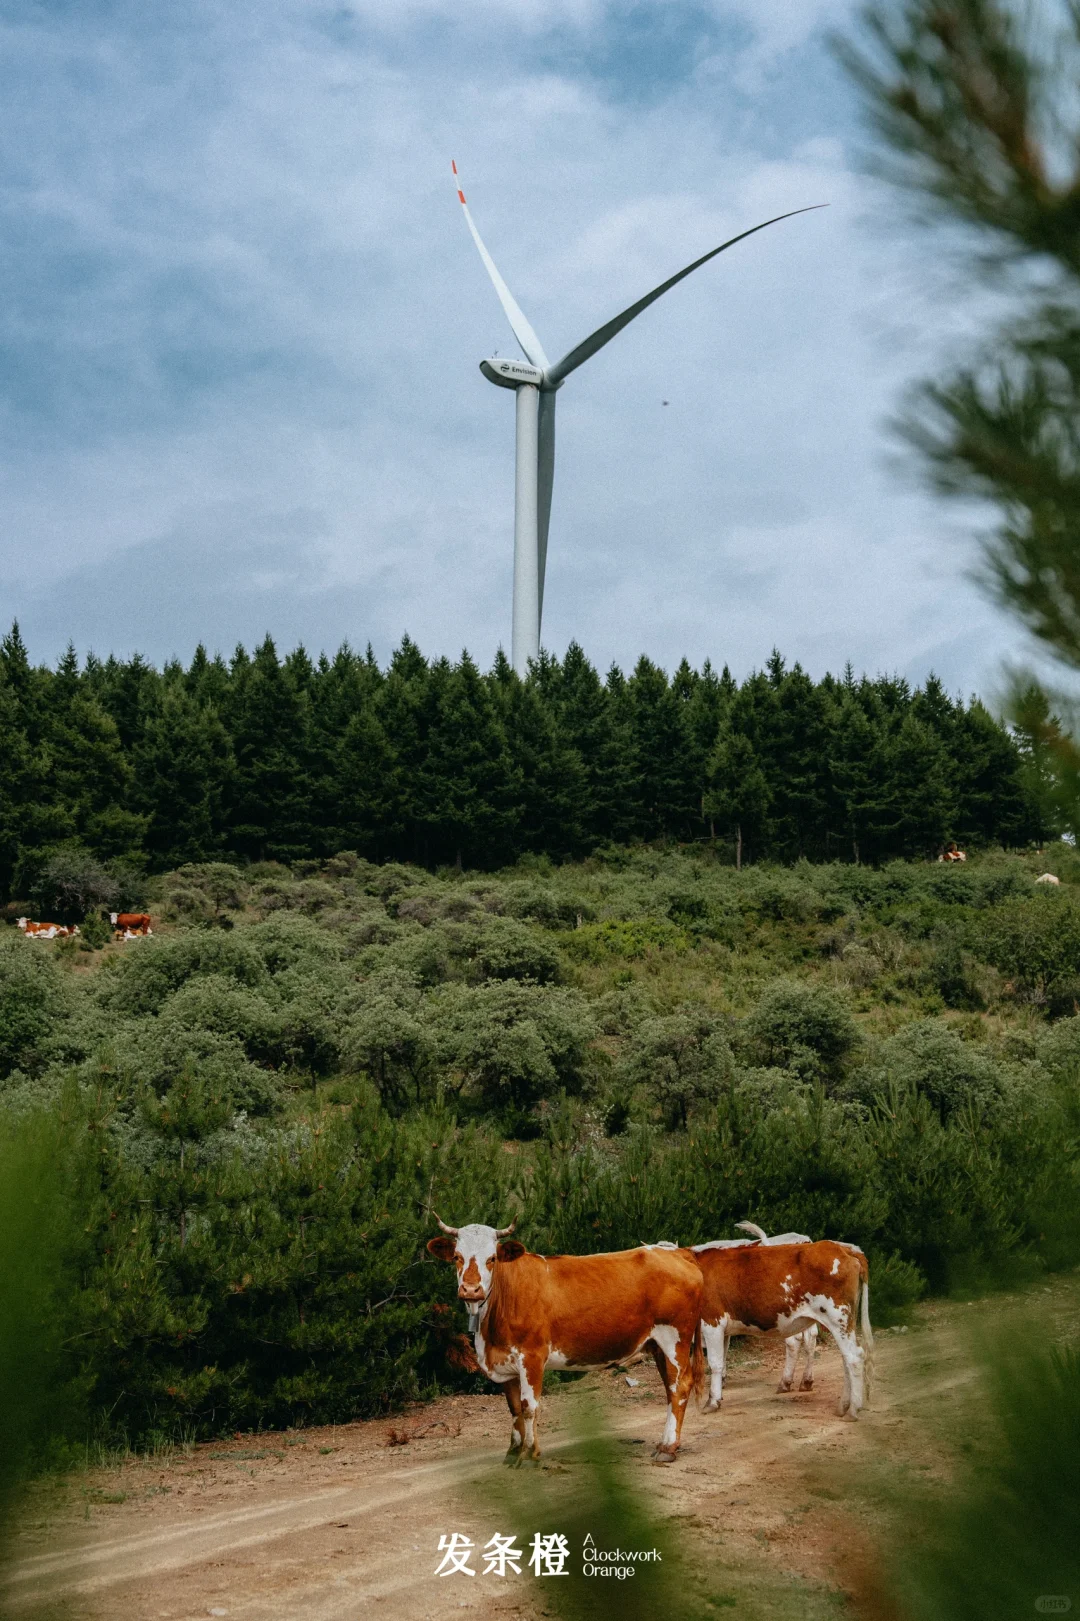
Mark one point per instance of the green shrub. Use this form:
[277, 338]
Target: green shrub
[1036, 944]
[147, 978]
[507, 1044]
[682, 1060]
[33, 998]
[931, 1059]
[629, 938]
[804, 1028]
[96, 931]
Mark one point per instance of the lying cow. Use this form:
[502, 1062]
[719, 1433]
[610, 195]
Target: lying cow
[531, 1312]
[46, 931]
[786, 1289]
[130, 924]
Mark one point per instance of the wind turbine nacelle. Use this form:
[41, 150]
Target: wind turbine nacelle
[512, 373]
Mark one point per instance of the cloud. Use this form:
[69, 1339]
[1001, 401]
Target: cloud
[241, 321]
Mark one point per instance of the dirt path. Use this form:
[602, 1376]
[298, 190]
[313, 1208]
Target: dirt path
[773, 1496]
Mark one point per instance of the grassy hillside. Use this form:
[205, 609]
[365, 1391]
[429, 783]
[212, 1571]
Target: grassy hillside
[268, 1095]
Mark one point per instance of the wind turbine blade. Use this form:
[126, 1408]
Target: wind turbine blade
[531, 346]
[604, 334]
[545, 457]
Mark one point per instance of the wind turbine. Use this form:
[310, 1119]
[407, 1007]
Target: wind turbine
[535, 384]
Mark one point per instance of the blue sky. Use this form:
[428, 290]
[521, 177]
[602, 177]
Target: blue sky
[242, 317]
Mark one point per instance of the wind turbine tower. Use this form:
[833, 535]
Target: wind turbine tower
[535, 381]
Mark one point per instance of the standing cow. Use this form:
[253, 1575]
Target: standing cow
[785, 1289]
[531, 1312]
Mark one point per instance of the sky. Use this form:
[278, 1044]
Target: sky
[241, 322]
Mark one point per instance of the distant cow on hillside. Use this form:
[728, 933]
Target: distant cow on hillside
[46, 931]
[130, 924]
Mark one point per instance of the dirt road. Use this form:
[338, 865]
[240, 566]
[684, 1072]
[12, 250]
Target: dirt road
[774, 1495]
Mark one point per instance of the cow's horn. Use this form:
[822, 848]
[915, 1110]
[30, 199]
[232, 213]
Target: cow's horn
[501, 1232]
[451, 1230]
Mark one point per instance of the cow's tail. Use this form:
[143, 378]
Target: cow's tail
[866, 1333]
[698, 1368]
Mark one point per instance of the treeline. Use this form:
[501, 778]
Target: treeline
[263, 758]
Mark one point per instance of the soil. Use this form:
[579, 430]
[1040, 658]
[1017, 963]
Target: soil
[777, 1499]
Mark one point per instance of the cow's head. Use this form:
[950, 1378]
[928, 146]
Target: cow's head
[474, 1251]
[21, 923]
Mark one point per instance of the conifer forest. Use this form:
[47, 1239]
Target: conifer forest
[288, 759]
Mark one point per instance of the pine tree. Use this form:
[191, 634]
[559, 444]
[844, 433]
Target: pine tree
[737, 793]
[973, 106]
[183, 762]
[271, 797]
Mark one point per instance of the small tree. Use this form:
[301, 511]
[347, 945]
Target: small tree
[681, 1060]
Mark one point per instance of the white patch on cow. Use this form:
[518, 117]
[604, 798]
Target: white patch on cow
[661, 1244]
[556, 1359]
[477, 1243]
[844, 1245]
[722, 1244]
[667, 1338]
[786, 1285]
[670, 1429]
[834, 1269]
[836, 1317]
[787, 1238]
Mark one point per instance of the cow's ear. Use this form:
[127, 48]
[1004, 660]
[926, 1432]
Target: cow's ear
[443, 1246]
[509, 1249]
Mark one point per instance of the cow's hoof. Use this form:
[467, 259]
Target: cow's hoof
[782, 1388]
[842, 1408]
[807, 1384]
[513, 1458]
[664, 1455]
[711, 1407]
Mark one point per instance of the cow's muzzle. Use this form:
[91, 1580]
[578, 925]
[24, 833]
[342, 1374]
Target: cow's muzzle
[471, 1292]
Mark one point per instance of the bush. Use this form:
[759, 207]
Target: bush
[507, 1045]
[70, 881]
[96, 931]
[802, 1028]
[33, 1000]
[682, 1060]
[1036, 944]
[932, 1060]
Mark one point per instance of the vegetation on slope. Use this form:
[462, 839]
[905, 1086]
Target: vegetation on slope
[268, 1096]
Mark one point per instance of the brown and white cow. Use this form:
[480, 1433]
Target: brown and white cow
[784, 1289]
[806, 1342]
[46, 931]
[531, 1312]
[130, 924]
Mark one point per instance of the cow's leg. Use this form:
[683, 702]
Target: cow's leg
[714, 1338]
[791, 1358]
[840, 1321]
[530, 1366]
[512, 1392]
[672, 1355]
[809, 1339]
